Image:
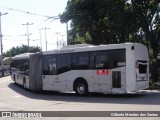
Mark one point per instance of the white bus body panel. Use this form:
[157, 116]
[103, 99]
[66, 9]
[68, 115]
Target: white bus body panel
[139, 53]
[142, 80]
[64, 82]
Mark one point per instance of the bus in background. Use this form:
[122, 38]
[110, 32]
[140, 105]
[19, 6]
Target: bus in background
[5, 68]
[115, 68]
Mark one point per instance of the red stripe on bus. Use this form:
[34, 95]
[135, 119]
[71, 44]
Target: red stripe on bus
[102, 72]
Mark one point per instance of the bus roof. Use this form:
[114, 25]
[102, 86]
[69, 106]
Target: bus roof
[88, 47]
[22, 56]
[77, 46]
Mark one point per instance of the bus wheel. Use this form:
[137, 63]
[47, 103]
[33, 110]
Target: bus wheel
[81, 88]
[24, 83]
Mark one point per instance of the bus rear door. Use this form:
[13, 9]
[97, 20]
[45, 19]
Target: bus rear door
[117, 64]
[118, 80]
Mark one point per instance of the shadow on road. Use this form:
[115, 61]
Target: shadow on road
[148, 98]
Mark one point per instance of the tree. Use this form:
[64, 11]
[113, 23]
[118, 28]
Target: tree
[21, 49]
[147, 17]
[146, 13]
[106, 21]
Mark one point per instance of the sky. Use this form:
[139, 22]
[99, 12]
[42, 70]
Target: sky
[14, 33]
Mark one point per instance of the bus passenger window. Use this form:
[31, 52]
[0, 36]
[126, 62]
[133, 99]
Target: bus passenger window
[64, 61]
[99, 60]
[49, 65]
[117, 58]
[80, 60]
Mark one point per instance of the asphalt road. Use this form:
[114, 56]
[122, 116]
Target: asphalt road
[14, 98]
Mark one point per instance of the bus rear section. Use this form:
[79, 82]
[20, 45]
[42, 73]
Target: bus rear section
[138, 68]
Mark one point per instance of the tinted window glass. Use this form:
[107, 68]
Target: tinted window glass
[142, 66]
[64, 61]
[117, 58]
[25, 65]
[80, 60]
[116, 79]
[49, 65]
[99, 60]
[22, 65]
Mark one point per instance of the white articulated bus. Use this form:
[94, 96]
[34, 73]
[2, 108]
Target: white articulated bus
[115, 68]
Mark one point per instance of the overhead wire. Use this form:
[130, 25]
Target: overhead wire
[31, 13]
[53, 18]
[22, 11]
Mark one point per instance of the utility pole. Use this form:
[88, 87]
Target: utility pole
[63, 43]
[40, 37]
[1, 45]
[63, 36]
[45, 29]
[57, 38]
[27, 24]
[68, 42]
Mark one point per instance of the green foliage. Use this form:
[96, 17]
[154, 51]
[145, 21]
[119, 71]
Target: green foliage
[81, 39]
[147, 17]
[112, 21]
[104, 20]
[21, 49]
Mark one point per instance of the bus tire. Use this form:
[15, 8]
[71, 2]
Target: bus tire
[81, 88]
[24, 83]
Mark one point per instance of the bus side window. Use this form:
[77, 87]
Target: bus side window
[99, 60]
[64, 61]
[80, 61]
[49, 65]
[117, 58]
